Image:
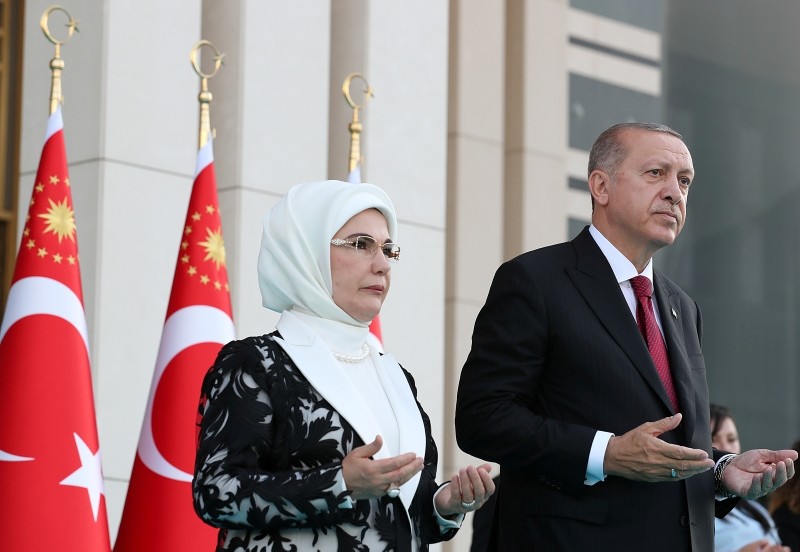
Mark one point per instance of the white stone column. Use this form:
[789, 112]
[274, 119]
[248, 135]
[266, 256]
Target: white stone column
[537, 196]
[270, 111]
[475, 194]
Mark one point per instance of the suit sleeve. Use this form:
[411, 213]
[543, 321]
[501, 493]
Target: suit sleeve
[496, 414]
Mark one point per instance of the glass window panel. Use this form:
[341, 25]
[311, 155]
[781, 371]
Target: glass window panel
[648, 14]
[575, 226]
[578, 184]
[594, 106]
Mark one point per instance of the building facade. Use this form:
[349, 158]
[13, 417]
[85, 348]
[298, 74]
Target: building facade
[483, 115]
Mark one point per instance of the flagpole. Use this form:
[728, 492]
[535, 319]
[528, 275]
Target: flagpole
[205, 96]
[355, 127]
[354, 169]
[56, 64]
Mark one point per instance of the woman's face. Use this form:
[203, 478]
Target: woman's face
[727, 438]
[361, 281]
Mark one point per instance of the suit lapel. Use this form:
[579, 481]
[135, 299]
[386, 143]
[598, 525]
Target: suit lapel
[670, 310]
[409, 420]
[595, 281]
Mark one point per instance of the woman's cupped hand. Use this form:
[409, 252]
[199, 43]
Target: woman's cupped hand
[368, 478]
[469, 489]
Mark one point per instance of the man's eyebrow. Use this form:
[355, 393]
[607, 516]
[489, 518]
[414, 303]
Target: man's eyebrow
[669, 164]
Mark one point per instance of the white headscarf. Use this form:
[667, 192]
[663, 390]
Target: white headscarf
[294, 264]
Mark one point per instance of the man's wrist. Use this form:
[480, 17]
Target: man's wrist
[719, 469]
[595, 468]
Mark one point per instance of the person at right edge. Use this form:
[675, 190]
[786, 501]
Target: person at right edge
[748, 527]
[784, 505]
[595, 406]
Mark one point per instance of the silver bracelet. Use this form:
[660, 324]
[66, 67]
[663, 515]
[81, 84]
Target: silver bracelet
[718, 485]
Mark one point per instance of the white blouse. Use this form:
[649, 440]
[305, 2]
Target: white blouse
[347, 340]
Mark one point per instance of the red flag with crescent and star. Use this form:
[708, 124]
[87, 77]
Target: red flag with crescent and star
[52, 494]
[159, 514]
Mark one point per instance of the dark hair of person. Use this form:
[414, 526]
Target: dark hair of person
[789, 493]
[609, 150]
[718, 416]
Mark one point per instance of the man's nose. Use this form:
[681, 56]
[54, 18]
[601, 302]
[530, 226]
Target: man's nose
[672, 191]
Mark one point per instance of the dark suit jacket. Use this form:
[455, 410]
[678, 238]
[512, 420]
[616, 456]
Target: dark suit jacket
[556, 356]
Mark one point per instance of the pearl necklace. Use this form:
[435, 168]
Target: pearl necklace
[353, 358]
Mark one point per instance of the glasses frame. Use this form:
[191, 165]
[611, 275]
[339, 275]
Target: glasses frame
[389, 249]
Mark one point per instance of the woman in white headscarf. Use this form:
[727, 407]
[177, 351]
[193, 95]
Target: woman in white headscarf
[310, 439]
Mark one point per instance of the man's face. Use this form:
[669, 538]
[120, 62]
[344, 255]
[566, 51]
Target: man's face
[647, 196]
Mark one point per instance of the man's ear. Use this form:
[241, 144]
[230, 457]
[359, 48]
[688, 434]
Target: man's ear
[599, 182]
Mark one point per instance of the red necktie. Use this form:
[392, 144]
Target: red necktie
[646, 320]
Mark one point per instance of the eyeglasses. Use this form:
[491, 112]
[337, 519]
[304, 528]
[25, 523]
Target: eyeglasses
[367, 246]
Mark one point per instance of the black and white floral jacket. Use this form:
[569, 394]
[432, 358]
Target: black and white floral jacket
[272, 438]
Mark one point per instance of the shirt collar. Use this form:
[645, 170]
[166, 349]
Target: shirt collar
[623, 269]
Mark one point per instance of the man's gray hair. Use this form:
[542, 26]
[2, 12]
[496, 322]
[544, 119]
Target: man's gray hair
[609, 150]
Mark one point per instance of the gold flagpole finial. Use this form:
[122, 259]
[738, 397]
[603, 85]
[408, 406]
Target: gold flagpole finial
[355, 126]
[57, 64]
[204, 97]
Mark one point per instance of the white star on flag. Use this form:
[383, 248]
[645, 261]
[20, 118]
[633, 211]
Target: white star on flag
[89, 475]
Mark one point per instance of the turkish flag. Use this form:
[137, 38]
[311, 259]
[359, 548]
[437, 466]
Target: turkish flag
[52, 494]
[159, 515]
[375, 326]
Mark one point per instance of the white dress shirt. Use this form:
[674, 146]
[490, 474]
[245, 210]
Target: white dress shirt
[623, 270]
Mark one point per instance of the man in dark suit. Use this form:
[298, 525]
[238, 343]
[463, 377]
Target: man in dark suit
[599, 423]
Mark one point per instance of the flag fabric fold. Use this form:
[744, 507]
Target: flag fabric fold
[50, 470]
[158, 514]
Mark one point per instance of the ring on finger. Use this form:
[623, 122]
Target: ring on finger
[394, 492]
[468, 505]
[674, 474]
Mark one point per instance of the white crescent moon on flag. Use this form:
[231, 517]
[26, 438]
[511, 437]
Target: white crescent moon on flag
[186, 327]
[6, 457]
[39, 295]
